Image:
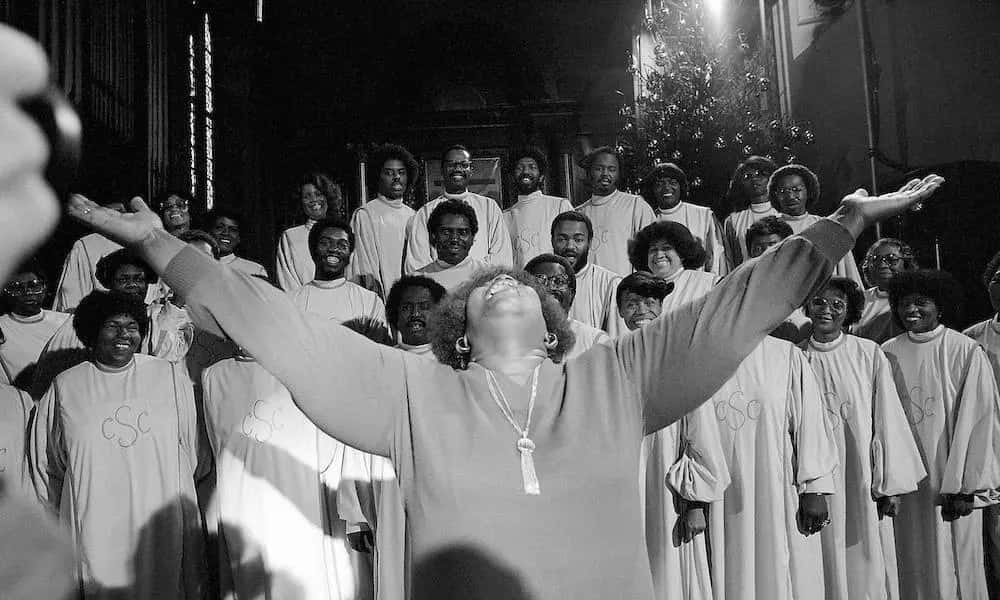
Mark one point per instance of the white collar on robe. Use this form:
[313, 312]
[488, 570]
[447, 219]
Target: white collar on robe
[109, 369]
[398, 203]
[674, 276]
[670, 211]
[228, 259]
[761, 207]
[788, 217]
[927, 336]
[532, 196]
[309, 223]
[827, 346]
[599, 200]
[32, 319]
[420, 349]
[464, 196]
[330, 284]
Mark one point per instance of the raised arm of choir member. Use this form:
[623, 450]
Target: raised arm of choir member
[79, 276]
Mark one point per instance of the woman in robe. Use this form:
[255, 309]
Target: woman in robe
[25, 327]
[668, 251]
[513, 465]
[878, 457]
[950, 397]
[884, 260]
[115, 454]
[746, 203]
[318, 196]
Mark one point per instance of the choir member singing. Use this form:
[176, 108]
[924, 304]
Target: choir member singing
[25, 327]
[556, 274]
[316, 193]
[452, 229]
[226, 226]
[885, 258]
[594, 299]
[669, 252]
[175, 211]
[529, 220]
[747, 199]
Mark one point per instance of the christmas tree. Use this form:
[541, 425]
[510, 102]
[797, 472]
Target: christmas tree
[706, 104]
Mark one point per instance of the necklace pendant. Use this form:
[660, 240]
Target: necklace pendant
[528, 476]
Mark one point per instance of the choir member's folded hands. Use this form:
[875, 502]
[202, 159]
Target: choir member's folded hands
[955, 506]
[362, 541]
[888, 506]
[813, 513]
[692, 522]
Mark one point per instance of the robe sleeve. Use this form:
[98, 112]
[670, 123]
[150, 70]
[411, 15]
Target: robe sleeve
[815, 451]
[718, 262]
[352, 388]
[972, 460]
[731, 242]
[500, 251]
[76, 281]
[365, 260]
[642, 215]
[613, 322]
[896, 464]
[355, 495]
[47, 453]
[191, 426]
[679, 360]
[288, 278]
[701, 473]
[418, 246]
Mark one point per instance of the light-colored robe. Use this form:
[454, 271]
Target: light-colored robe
[585, 337]
[688, 286]
[529, 222]
[380, 233]
[294, 264]
[950, 397]
[877, 323]
[847, 267]
[878, 457]
[244, 265]
[15, 409]
[777, 445]
[24, 340]
[594, 303]
[451, 276]
[339, 300]
[701, 221]
[491, 245]
[79, 274]
[734, 230]
[616, 217]
[115, 454]
[276, 484]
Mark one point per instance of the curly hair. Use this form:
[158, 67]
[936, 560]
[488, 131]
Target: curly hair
[810, 179]
[448, 321]
[991, 269]
[690, 250]
[404, 283]
[533, 153]
[643, 284]
[387, 152]
[109, 265]
[851, 291]
[200, 235]
[324, 185]
[665, 171]
[937, 285]
[329, 223]
[452, 207]
[769, 225]
[906, 252]
[97, 307]
[587, 161]
[577, 217]
[736, 198]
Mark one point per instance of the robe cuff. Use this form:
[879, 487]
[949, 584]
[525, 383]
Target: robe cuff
[820, 485]
[351, 528]
[830, 238]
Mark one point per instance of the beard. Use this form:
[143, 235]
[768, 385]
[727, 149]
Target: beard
[528, 187]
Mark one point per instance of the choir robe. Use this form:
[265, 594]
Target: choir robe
[280, 535]
[15, 409]
[79, 274]
[878, 458]
[877, 323]
[242, 265]
[585, 336]
[24, 338]
[380, 232]
[701, 221]
[339, 300]
[845, 268]
[529, 223]
[777, 445]
[950, 397]
[688, 286]
[491, 245]
[454, 453]
[451, 276]
[115, 454]
[734, 229]
[294, 263]
[594, 303]
[616, 217]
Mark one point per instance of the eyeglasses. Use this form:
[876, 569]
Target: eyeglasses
[755, 173]
[182, 205]
[887, 259]
[130, 328]
[16, 288]
[792, 190]
[553, 280]
[458, 164]
[835, 305]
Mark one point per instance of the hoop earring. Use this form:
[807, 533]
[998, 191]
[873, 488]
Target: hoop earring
[551, 341]
[463, 349]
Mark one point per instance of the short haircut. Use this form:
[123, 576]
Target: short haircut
[563, 262]
[587, 161]
[444, 155]
[329, 223]
[852, 291]
[664, 171]
[690, 250]
[937, 285]
[576, 217]
[208, 221]
[534, 153]
[109, 265]
[98, 306]
[769, 225]
[387, 152]
[452, 207]
[199, 235]
[736, 198]
[643, 284]
[905, 252]
[404, 283]
[810, 179]
[991, 269]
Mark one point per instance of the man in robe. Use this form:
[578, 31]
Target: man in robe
[616, 215]
[556, 273]
[682, 470]
[760, 236]
[175, 212]
[491, 245]
[369, 498]
[380, 225]
[782, 461]
[594, 298]
[25, 327]
[330, 295]
[451, 228]
[115, 454]
[79, 276]
[529, 220]
[666, 189]
[226, 227]
[316, 193]
[747, 198]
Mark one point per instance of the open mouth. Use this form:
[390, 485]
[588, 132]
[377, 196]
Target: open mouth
[416, 325]
[500, 284]
[332, 261]
[641, 322]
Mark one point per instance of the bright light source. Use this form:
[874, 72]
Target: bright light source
[260, 11]
[716, 8]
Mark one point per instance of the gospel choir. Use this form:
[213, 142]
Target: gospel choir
[852, 455]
